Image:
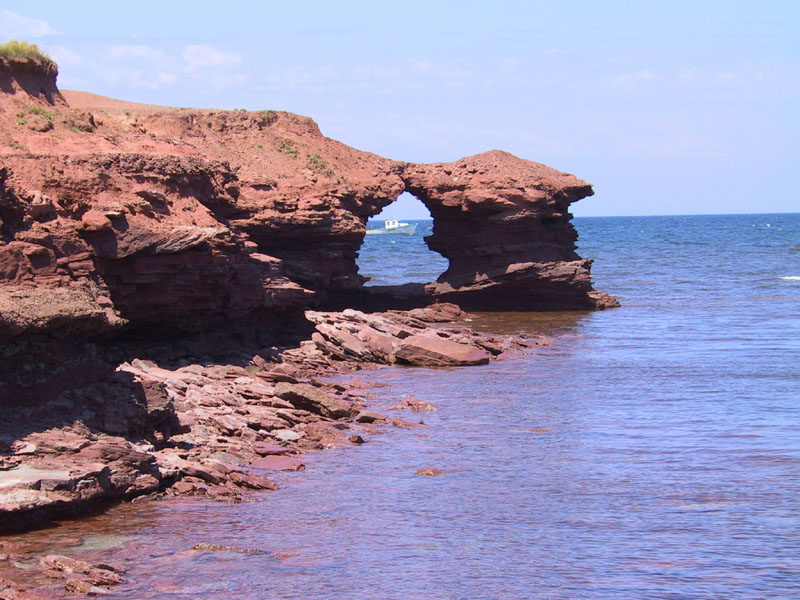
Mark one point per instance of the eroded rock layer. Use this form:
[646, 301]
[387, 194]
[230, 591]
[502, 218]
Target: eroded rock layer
[504, 225]
[133, 236]
[154, 216]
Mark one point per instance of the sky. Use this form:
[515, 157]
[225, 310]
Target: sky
[665, 107]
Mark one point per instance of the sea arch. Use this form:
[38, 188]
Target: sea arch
[400, 258]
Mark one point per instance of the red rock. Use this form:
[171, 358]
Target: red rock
[441, 312]
[314, 399]
[188, 488]
[406, 424]
[278, 463]
[197, 248]
[421, 406]
[77, 585]
[368, 416]
[504, 225]
[98, 574]
[415, 405]
[94, 221]
[328, 435]
[255, 482]
[211, 475]
[266, 449]
[10, 590]
[429, 351]
[429, 472]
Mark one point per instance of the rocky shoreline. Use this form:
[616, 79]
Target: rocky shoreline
[217, 431]
[175, 282]
[205, 427]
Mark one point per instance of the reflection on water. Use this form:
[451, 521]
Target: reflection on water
[533, 324]
[652, 452]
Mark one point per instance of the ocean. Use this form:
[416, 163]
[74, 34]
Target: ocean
[652, 451]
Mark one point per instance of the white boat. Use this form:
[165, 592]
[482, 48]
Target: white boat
[394, 226]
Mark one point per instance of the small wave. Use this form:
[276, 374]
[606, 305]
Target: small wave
[790, 278]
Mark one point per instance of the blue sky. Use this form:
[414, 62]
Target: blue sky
[665, 107]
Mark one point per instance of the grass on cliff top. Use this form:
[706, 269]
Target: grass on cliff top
[17, 49]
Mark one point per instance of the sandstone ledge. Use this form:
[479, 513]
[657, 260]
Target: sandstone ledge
[167, 278]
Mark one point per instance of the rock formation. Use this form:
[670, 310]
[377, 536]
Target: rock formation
[504, 225]
[131, 231]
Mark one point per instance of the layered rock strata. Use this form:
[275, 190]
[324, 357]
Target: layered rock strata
[137, 242]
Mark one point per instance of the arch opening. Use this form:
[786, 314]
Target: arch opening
[396, 256]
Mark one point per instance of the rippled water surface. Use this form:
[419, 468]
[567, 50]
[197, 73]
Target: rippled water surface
[652, 452]
[400, 258]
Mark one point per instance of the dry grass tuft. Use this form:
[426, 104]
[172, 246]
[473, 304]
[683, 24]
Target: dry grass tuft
[17, 49]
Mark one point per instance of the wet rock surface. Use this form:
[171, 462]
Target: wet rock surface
[217, 430]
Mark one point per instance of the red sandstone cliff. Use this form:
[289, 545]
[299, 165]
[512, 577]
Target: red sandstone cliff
[130, 231]
[132, 215]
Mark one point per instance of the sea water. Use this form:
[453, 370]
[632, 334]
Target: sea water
[653, 451]
[392, 259]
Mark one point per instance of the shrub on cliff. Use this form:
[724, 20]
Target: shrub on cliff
[17, 49]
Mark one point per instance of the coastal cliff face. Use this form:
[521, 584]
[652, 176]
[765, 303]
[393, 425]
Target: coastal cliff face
[130, 231]
[138, 216]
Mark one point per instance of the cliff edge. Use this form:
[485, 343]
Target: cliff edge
[132, 233]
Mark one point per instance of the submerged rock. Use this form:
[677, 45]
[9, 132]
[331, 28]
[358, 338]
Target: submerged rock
[278, 463]
[429, 472]
[206, 547]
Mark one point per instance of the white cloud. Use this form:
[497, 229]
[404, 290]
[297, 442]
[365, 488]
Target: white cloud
[15, 25]
[130, 76]
[137, 53]
[166, 78]
[413, 75]
[203, 56]
[131, 65]
[744, 76]
[65, 57]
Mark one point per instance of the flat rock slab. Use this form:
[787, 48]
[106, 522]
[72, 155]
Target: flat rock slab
[429, 351]
[278, 463]
[25, 475]
[286, 435]
[313, 399]
[369, 416]
[267, 449]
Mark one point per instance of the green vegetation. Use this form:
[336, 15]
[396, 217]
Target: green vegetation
[287, 147]
[269, 115]
[35, 110]
[21, 121]
[317, 164]
[17, 49]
